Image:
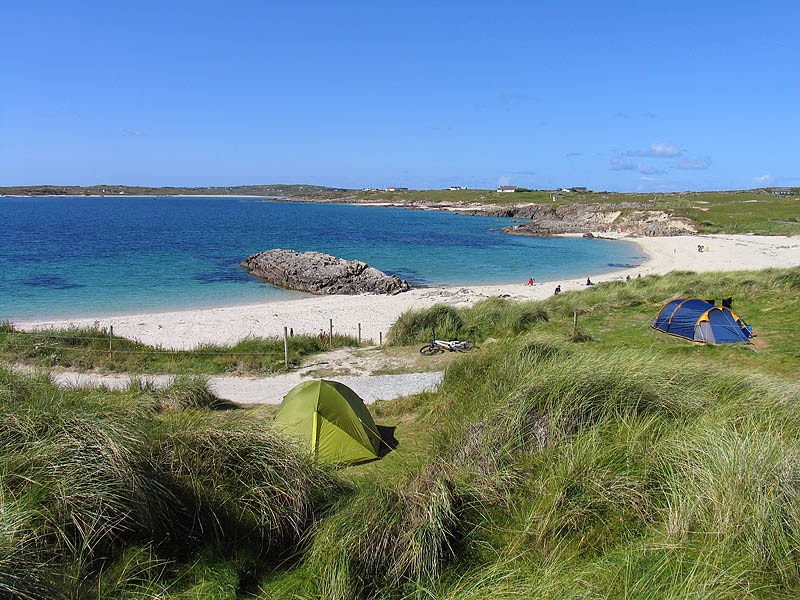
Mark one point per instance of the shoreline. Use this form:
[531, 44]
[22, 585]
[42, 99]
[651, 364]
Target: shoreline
[373, 315]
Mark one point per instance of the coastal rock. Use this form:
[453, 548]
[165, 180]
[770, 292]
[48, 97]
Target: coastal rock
[321, 274]
[632, 218]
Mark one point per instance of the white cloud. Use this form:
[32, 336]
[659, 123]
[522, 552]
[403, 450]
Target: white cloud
[763, 180]
[648, 170]
[662, 150]
[132, 132]
[620, 163]
[695, 164]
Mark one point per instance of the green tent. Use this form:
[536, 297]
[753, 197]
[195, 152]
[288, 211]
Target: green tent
[331, 420]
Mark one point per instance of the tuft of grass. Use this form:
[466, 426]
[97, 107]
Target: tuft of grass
[239, 482]
[789, 278]
[414, 327]
[491, 317]
[89, 476]
[189, 392]
[385, 538]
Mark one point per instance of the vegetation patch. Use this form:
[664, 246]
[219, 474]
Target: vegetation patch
[633, 465]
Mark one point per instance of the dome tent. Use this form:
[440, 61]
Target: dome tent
[701, 321]
[331, 420]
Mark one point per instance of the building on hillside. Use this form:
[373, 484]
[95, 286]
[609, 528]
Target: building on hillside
[504, 189]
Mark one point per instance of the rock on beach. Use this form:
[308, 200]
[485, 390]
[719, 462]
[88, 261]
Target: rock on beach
[319, 273]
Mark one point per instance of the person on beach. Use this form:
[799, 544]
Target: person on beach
[530, 281]
[557, 290]
[589, 281]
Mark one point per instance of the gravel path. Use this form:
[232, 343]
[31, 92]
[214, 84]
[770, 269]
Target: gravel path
[270, 390]
[362, 369]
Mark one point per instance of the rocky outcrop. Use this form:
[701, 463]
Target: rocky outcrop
[319, 273]
[633, 219]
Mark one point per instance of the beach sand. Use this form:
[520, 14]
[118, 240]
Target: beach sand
[375, 314]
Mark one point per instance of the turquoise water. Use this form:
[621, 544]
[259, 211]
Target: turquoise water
[98, 256]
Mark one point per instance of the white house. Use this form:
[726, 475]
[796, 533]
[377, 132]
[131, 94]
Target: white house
[503, 189]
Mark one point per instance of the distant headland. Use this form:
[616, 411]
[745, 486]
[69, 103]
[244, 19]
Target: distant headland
[573, 210]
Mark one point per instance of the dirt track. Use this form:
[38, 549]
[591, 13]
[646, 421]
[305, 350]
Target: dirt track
[366, 371]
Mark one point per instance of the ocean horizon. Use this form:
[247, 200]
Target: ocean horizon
[97, 256]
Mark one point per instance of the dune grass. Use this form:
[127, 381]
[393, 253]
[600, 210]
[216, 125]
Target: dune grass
[104, 491]
[98, 349]
[628, 465]
[620, 313]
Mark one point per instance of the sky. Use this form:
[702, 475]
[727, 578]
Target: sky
[624, 96]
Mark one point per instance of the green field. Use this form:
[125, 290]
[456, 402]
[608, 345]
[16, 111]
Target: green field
[606, 460]
[755, 211]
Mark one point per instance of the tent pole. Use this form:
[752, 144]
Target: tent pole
[314, 434]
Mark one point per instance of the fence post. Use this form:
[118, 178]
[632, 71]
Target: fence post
[286, 348]
[110, 339]
[359, 333]
[380, 338]
[330, 334]
[575, 320]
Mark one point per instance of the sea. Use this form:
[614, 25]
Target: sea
[64, 257]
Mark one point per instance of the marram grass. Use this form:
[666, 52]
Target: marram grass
[631, 465]
[385, 538]
[87, 476]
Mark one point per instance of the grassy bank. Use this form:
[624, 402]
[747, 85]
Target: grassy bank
[612, 462]
[96, 348]
[747, 211]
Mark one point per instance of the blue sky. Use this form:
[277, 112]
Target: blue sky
[620, 96]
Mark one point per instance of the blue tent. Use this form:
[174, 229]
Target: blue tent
[701, 321]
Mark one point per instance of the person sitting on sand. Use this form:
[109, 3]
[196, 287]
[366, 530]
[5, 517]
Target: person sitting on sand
[530, 281]
[589, 281]
[557, 290]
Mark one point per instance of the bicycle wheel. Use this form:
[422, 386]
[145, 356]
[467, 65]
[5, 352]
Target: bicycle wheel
[430, 350]
[465, 345]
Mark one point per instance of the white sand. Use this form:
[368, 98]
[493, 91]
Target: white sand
[375, 314]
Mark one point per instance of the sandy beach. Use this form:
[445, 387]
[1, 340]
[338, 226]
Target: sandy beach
[373, 315]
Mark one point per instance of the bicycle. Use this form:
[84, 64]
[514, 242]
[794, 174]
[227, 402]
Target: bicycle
[437, 346]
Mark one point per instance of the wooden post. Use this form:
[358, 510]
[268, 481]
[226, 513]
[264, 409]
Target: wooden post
[286, 348]
[330, 333]
[110, 339]
[359, 333]
[380, 338]
[575, 320]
